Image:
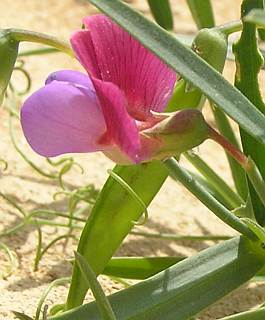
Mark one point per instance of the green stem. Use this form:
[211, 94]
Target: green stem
[168, 236]
[10, 231]
[233, 150]
[33, 52]
[55, 224]
[247, 164]
[256, 179]
[207, 199]
[42, 252]
[38, 249]
[237, 172]
[37, 37]
[56, 214]
[13, 203]
[230, 27]
[215, 180]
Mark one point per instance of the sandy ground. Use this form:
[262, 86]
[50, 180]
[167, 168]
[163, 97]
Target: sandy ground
[174, 210]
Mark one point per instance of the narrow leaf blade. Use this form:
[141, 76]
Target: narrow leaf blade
[202, 13]
[112, 218]
[90, 277]
[162, 13]
[138, 267]
[202, 279]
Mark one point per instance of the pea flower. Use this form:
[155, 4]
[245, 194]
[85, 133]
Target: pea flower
[111, 109]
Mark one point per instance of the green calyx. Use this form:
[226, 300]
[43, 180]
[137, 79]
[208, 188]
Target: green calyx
[8, 56]
[179, 132]
[211, 45]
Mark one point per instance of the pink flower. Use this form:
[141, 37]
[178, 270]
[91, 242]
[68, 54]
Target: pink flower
[106, 110]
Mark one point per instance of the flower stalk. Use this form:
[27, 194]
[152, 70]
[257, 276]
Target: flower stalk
[41, 38]
[247, 163]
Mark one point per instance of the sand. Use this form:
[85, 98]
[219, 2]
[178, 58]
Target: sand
[174, 209]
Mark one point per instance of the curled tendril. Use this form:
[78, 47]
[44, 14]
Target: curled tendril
[59, 162]
[5, 164]
[87, 194]
[20, 68]
[60, 193]
[125, 185]
[66, 168]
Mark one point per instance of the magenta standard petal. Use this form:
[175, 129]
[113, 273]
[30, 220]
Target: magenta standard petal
[121, 127]
[111, 54]
[84, 48]
[63, 117]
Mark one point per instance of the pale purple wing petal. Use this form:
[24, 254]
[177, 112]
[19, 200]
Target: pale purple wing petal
[62, 118]
[121, 127]
[71, 76]
[146, 81]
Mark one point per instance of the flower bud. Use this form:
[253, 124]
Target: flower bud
[179, 132]
[8, 56]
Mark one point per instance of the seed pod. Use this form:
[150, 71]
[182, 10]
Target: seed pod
[211, 45]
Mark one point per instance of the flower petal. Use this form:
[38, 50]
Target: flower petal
[109, 53]
[63, 117]
[76, 77]
[121, 128]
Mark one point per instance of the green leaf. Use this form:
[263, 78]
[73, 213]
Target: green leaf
[202, 13]
[8, 57]
[138, 267]
[256, 228]
[184, 289]
[112, 218]
[91, 279]
[249, 62]
[217, 183]
[258, 314]
[188, 64]
[206, 198]
[162, 13]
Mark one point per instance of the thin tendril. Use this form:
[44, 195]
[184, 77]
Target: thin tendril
[28, 79]
[134, 195]
[4, 162]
